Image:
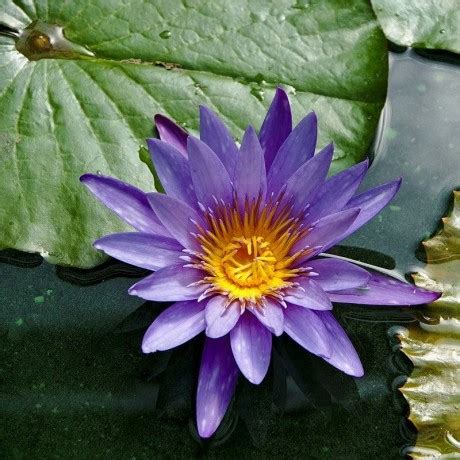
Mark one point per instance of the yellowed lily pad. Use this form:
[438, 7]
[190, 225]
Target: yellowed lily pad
[433, 388]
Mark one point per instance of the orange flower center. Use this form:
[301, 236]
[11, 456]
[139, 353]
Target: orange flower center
[247, 250]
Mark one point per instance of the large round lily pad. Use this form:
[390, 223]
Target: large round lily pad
[84, 97]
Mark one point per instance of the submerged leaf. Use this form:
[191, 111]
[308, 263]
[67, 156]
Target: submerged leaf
[431, 24]
[433, 388]
[111, 66]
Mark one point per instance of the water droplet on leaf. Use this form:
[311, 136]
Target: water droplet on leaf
[302, 4]
[165, 34]
[258, 93]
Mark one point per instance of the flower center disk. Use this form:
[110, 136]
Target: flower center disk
[249, 261]
[247, 250]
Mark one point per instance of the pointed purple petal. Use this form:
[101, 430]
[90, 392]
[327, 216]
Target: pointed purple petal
[271, 316]
[173, 170]
[141, 249]
[250, 177]
[344, 356]
[276, 126]
[177, 217]
[302, 325]
[371, 203]
[251, 345]
[296, 150]
[310, 295]
[326, 231]
[304, 184]
[337, 191]
[209, 176]
[172, 133]
[219, 318]
[216, 384]
[127, 201]
[174, 326]
[336, 274]
[384, 290]
[169, 284]
[215, 134]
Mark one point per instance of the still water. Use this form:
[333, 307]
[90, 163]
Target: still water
[73, 382]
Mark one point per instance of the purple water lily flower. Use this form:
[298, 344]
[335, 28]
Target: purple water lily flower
[236, 243]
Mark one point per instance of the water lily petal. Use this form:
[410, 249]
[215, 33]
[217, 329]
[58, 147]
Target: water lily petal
[303, 185]
[271, 316]
[173, 170]
[144, 250]
[127, 201]
[169, 284]
[371, 203]
[306, 328]
[384, 290]
[174, 326]
[336, 274]
[251, 345]
[276, 126]
[250, 177]
[337, 191]
[296, 150]
[220, 317]
[210, 177]
[344, 356]
[310, 295]
[216, 384]
[327, 230]
[177, 217]
[172, 133]
[216, 135]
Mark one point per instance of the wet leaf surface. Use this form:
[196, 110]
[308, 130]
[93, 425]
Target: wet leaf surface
[85, 100]
[431, 24]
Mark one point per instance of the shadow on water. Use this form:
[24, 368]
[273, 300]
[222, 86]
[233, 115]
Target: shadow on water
[73, 379]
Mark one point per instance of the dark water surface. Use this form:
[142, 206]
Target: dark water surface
[73, 383]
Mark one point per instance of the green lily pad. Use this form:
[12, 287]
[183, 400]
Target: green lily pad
[80, 86]
[431, 24]
[433, 388]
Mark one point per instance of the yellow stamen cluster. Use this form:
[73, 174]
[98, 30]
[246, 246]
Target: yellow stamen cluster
[246, 250]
